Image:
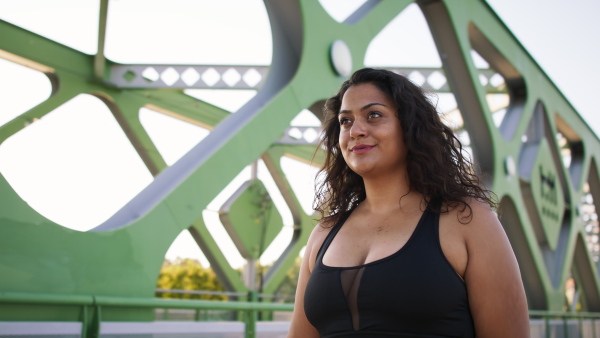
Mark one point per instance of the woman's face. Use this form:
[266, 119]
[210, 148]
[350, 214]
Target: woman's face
[370, 132]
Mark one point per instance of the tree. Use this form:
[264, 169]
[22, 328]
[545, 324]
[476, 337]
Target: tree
[188, 274]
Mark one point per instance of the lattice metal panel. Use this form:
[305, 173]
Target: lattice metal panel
[252, 77]
[188, 76]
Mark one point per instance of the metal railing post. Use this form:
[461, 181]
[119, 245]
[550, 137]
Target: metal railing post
[251, 316]
[84, 321]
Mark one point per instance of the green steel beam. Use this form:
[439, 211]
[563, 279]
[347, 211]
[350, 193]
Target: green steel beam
[99, 59]
[229, 277]
[130, 76]
[68, 90]
[303, 223]
[29, 45]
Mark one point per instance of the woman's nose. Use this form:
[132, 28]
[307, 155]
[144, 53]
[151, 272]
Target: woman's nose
[358, 129]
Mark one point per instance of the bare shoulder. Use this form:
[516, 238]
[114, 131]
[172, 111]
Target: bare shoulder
[461, 226]
[475, 219]
[480, 229]
[315, 241]
[300, 326]
[492, 275]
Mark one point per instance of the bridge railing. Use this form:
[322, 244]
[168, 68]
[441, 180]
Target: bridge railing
[543, 323]
[91, 307]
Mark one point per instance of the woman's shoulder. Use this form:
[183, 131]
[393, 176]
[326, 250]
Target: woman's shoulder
[475, 219]
[492, 275]
[315, 241]
[470, 211]
[318, 235]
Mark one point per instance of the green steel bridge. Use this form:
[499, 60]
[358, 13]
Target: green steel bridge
[535, 151]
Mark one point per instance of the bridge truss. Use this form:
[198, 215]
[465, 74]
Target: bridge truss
[540, 160]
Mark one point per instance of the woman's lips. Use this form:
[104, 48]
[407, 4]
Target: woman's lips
[359, 149]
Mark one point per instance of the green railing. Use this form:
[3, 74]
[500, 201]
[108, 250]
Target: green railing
[565, 316]
[91, 307]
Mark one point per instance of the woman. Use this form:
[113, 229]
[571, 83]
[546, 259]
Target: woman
[408, 243]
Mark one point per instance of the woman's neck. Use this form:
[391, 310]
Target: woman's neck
[387, 193]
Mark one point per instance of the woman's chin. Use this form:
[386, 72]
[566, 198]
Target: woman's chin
[363, 170]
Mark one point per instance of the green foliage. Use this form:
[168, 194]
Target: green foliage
[188, 274]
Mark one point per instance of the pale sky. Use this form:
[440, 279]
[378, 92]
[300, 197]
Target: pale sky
[75, 165]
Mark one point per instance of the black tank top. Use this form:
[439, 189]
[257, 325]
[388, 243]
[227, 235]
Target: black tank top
[415, 292]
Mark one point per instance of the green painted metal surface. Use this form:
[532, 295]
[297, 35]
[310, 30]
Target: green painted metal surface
[122, 257]
[251, 219]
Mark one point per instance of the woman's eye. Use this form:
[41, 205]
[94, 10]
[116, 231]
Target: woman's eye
[344, 121]
[374, 114]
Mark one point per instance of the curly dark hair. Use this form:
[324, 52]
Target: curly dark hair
[437, 167]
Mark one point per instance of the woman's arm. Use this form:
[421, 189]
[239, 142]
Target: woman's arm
[496, 294]
[301, 327]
